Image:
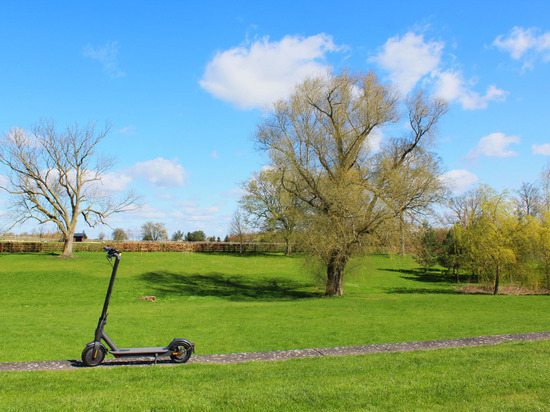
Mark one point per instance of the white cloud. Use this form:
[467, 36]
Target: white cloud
[494, 145]
[193, 214]
[541, 149]
[451, 87]
[164, 196]
[115, 182]
[256, 75]
[187, 203]
[128, 130]
[204, 215]
[148, 212]
[374, 141]
[525, 44]
[161, 172]
[408, 59]
[107, 56]
[25, 137]
[204, 218]
[459, 180]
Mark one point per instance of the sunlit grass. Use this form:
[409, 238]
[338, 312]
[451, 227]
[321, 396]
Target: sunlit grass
[512, 376]
[229, 303]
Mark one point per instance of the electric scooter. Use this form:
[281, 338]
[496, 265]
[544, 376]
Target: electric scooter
[179, 350]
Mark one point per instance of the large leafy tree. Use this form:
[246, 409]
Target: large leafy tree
[492, 236]
[120, 235]
[323, 140]
[543, 246]
[154, 231]
[196, 236]
[270, 207]
[55, 177]
[497, 240]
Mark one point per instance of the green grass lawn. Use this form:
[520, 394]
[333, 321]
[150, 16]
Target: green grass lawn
[511, 376]
[227, 303]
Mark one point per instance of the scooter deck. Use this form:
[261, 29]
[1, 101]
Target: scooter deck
[158, 351]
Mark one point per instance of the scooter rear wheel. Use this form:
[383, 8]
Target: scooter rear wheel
[88, 356]
[181, 352]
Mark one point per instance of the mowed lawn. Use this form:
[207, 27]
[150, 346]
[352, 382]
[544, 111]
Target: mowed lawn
[228, 303]
[511, 376]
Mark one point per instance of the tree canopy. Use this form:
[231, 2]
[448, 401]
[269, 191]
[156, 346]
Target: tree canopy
[119, 235]
[271, 207]
[154, 231]
[324, 143]
[496, 236]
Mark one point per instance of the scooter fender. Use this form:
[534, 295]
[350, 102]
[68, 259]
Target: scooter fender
[180, 341]
[96, 345]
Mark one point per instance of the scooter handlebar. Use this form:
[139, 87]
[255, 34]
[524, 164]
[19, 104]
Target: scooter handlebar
[111, 251]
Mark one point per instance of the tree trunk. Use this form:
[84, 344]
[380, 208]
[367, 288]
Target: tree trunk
[497, 275]
[547, 274]
[402, 229]
[68, 246]
[335, 275]
[288, 248]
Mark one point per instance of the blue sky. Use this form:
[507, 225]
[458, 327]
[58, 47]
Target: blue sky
[184, 85]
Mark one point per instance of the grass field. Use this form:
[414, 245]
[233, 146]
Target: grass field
[227, 303]
[511, 376]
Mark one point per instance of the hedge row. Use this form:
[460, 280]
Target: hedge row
[206, 247]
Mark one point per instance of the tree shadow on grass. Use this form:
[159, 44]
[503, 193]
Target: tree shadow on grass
[424, 291]
[238, 288]
[430, 276]
[250, 255]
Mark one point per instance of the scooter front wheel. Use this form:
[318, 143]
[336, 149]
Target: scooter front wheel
[181, 352]
[92, 356]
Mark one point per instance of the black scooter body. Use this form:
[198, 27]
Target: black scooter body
[179, 350]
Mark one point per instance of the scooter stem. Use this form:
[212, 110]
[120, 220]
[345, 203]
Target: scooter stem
[110, 289]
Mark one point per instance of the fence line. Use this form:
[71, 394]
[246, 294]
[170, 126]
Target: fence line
[204, 247]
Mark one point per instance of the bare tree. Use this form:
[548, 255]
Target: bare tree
[238, 228]
[323, 137]
[528, 201]
[466, 209]
[56, 177]
[545, 188]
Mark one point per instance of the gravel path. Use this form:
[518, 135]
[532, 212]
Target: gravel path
[280, 355]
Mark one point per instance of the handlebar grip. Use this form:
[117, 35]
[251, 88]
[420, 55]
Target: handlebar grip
[111, 251]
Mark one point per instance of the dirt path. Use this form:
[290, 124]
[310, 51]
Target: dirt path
[280, 355]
